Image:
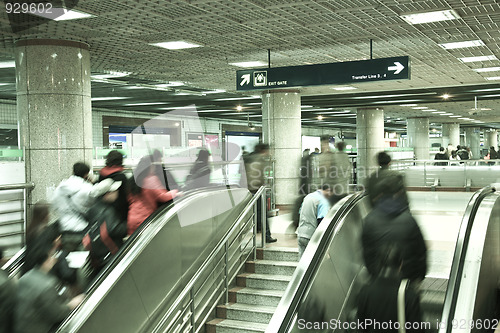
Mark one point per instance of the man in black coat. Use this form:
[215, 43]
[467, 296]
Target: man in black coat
[390, 222]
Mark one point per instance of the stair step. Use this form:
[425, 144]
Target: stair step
[279, 254]
[246, 312]
[432, 301]
[234, 326]
[434, 284]
[255, 296]
[271, 267]
[263, 281]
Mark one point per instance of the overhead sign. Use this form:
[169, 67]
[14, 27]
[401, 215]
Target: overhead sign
[396, 68]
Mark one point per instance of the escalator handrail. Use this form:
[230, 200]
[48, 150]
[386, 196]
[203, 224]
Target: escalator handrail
[117, 267]
[284, 313]
[457, 267]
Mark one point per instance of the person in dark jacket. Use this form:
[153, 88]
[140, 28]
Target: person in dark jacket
[199, 175]
[441, 156]
[378, 300]
[114, 170]
[107, 229]
[166, 178]
[390, 222]
[7, 300]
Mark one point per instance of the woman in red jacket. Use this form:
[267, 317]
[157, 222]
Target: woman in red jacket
[147, 192]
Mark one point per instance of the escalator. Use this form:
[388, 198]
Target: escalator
[136, 289]
[322, 293]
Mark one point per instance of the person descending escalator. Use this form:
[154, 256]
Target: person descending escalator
[388, 299]
[199, 175]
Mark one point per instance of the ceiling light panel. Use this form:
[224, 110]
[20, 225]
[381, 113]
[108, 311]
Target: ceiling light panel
[176, 45]
[428, 17]
[487, 69]
[479, 58]
[461, 45]
[249, 64]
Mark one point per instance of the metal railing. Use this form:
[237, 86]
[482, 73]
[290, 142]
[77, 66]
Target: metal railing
[13, 216]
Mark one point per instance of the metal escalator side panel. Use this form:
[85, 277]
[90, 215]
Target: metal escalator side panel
[320, 266]
[457, 268]
[476, 299]
[157, 264]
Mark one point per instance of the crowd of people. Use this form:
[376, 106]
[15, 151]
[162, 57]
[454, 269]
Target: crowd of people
[461, 153]
[91, 214]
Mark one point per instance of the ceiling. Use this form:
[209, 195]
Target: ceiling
[297, 33]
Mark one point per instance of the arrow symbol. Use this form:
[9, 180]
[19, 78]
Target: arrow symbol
[246, 79]
[398, 68]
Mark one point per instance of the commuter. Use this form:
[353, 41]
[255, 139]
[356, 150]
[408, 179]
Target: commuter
[462, 152]
[326, 164]
[114, 170]
[341, 173]
[305, 184]
[71, 201]
[469, 151]
[39, 233]
[493, 153]
[384, 160]
[166, 178]
[7, 300]
[39, 307]
[255, 172]
[314, 208]
[390, 222]
[449, 149]
[199, 175]
[107, 229]
[316, 151]
[454, 157]
[441, 156]
[379, 301]
[146, 192]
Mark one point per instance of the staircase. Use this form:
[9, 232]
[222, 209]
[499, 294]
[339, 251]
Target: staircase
[433, 292]
[257, 293]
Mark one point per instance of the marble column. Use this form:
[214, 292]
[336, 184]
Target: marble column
[492, 139]
[472, 140]
[281, 129]
[369, 140]
[451, 134]
[418, 137]
[54, 111]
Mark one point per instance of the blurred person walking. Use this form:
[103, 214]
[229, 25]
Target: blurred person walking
[114, 170]
[7, 300]
[199, 175]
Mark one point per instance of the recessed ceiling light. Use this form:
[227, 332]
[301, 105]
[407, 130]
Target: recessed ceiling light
[438, 112]
[109, 75]
[487, 69]
[442, 15]
[420, 107]
[149, 103]
[72, 15]
[429, 110]
[445, 96]
[239, 108]
[170, 84]
[216, 91]
[460, 45]
[112, 98]
[320, 117]
[177, 45]
[493, 78]
[306, 106]
[455, 116]
[344, 88]
[254, 103]
[408, 104]
[7, 64]
[249, 64]
[236, 98]
[464, 118]
[479, 58]
[447, 114]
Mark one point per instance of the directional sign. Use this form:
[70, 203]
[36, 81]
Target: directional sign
[396, 68]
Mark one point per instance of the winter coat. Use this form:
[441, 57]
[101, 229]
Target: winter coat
[378, 301]
[121, 204]
[71, 201]
[384, 179]
[390, 222]
[144, 204]
[7, 301]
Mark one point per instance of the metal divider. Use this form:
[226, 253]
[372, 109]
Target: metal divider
[211, 283]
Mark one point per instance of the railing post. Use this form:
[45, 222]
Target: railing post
[425, 174]
[226, 273]
[254, 218]
[193, 317]
[263, 215]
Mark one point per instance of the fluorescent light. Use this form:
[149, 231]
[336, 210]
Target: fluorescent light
[110, 75]
[480, 58]
[492, 78]
[320, 117]
[464, 118]
[429, 110]
[93, 99]
[177, 45]
[236, 98]
[255, 103]
[170, 84]
[319, 109]
[447, 114]
[442, 15]
[487, 69]
[150, 103]
[249, 64]
[306, 106]
[461, 45]
[7, 64]
[483, 90]
[72, 15]
[420, 107]
[337, 112]
[438, 112]
[344, 88]
[455, 116]
[408, 104]
[216, 91]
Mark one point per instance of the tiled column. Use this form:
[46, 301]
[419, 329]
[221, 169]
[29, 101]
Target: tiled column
[418, 137]
[369, 140]
[472, 141]
[281, 129]
[451, 134]
[54, 110]
[492, 139]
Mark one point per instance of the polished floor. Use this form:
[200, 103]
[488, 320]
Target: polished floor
[438, 214]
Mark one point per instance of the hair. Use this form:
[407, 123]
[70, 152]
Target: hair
[441, 148]
[326, 187]
[81, 169]
[203, 155]
[383, 158]
[261, 147]
[341, 145]
[39, 219]
[114, 158]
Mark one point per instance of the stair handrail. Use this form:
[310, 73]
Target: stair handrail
[457, 267]
[288, 305]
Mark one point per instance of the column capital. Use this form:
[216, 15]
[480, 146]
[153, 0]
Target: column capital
[53, 42]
